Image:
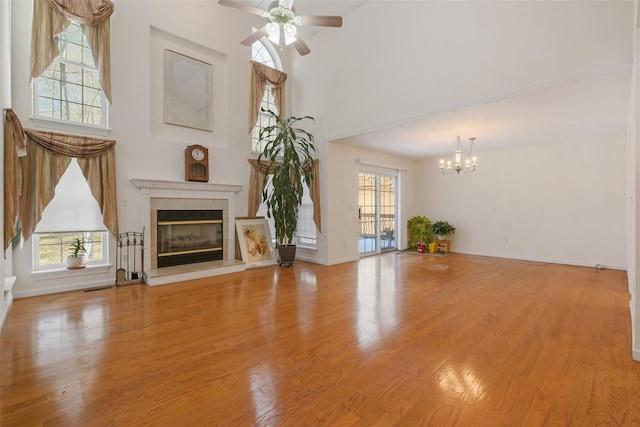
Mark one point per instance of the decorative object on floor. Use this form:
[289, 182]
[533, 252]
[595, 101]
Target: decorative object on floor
[418, 231]
[443, 245]
[254, 239]
[196, 163]
[77, 251]
[282, 23]
[466, 163]
[432, 247]
[288, 155]
[130, 258]
[442, 229]
[188, 93]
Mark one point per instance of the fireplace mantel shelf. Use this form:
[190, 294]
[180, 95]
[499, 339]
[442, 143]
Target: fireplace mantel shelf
[154, 184]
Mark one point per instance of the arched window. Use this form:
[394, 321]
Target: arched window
[264, 54]
[305, 235]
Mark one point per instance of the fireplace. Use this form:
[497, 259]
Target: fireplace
[189, 236]
[207, 237]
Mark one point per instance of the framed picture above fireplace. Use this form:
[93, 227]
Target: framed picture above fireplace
[188, 93]
[254, 239]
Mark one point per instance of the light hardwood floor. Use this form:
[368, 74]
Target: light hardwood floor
[397, 339]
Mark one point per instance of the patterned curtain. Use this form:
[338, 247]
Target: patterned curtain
[31, 186]
[15, 147]
[261, 75]
[256, 185]
[51, 17]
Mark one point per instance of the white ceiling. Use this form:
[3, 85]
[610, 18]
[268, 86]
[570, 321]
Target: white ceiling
[591, 105]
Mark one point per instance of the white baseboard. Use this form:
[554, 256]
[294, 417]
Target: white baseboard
[545, 260]
[64, 288]
[6, 312]
[342, 261]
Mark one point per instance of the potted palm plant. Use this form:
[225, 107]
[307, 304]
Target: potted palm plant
[288, 152]
[77, 251]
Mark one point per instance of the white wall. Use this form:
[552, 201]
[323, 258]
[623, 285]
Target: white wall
[633, 185]
[562, 202]
[146, 147]
[340, 195]
[383, 68]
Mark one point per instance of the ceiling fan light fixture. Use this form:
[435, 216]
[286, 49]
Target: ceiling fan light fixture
[273, 31]
[290, 32]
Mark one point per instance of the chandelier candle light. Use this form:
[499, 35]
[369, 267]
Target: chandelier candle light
[465, 163]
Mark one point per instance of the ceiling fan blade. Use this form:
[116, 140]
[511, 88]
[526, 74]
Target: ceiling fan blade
[301, 47]
[254, 37]
[320, 21]
[244, 7]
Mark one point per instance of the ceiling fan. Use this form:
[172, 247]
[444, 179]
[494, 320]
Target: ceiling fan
[282, 23]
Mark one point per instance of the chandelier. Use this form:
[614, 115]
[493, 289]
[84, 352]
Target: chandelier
[460, 162]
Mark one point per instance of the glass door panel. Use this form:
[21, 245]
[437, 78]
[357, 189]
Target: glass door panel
[376, 213]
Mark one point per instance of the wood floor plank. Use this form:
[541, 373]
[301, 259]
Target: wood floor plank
[395, 339]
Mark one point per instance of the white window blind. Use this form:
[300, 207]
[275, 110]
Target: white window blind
[73, 208]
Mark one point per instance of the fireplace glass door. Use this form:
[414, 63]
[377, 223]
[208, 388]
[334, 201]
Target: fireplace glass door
[189, 236]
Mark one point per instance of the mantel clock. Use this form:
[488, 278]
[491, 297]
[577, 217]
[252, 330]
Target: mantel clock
[196, 163]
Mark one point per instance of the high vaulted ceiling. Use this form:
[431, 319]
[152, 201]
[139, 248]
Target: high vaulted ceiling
[570, 110]
[589, 102]
[406, 76]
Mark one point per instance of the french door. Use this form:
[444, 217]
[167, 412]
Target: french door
[376, 213]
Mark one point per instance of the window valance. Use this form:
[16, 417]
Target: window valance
[261, 76]
[51, 17]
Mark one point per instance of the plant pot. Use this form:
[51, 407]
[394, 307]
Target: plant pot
[432, 247]
[287, 254]
[75, 262]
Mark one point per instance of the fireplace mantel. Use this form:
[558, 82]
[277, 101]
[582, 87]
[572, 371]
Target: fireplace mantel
[153, 184]
[182, 190]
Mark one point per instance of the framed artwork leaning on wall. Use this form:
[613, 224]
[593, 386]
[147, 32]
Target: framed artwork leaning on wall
[256, 244]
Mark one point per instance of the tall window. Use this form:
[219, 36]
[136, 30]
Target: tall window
[260, 53]
[69, 90]
[306, 232]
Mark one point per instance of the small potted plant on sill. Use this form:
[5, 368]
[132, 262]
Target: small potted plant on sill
[77, 251]
[442, 229]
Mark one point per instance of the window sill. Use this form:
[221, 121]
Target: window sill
[64, 272]
[78, 128]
